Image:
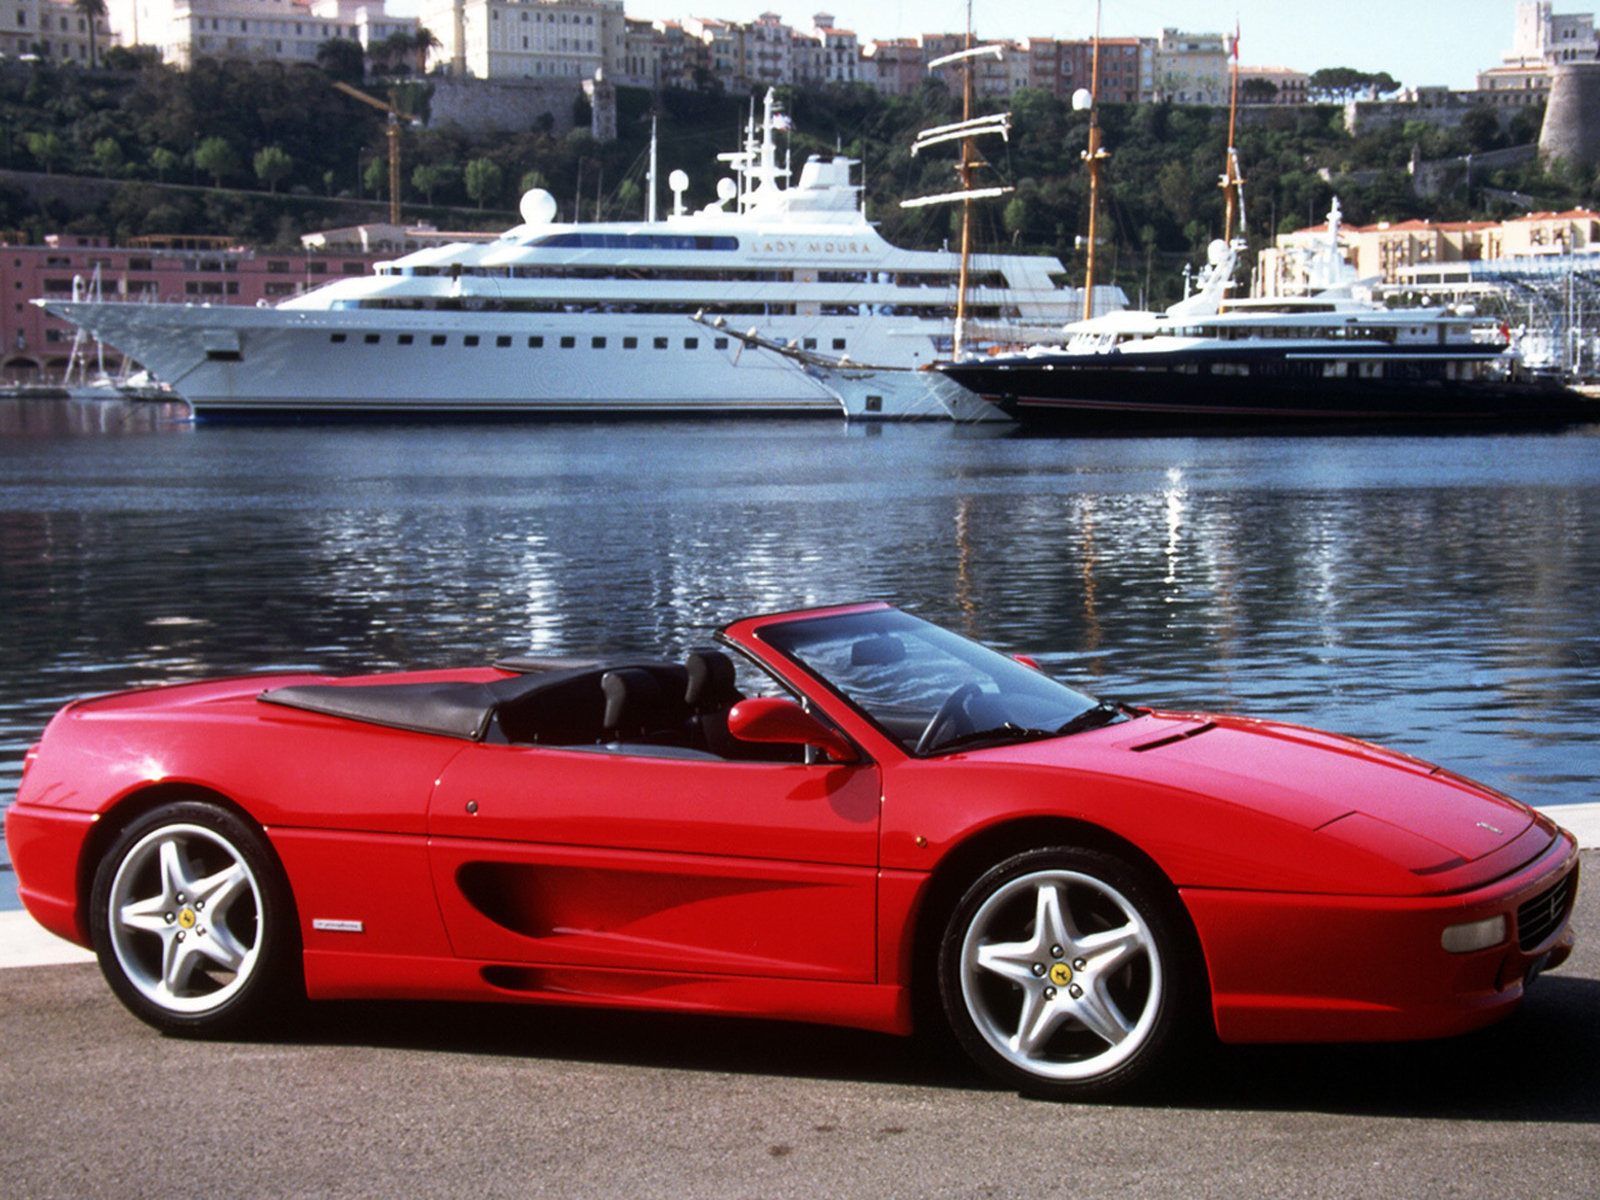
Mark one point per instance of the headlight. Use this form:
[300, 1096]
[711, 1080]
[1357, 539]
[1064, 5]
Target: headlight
[1475, 935]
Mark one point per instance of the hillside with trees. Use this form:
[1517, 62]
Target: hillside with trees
[264, 152]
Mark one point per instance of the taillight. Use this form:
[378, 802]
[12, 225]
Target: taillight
[27, 759]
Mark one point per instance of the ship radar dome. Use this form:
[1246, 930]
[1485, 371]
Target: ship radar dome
[1216, 251]
[538, 207]
[727, 189]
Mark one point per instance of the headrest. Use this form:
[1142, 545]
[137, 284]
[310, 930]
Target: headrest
[877, 651]
[630, 693]
[711, 679]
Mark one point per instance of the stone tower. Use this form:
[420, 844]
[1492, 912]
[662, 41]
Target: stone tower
[1571, 129]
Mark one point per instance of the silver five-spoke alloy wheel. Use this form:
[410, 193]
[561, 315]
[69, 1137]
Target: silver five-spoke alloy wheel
[184, 924]
[191, 920]
[1057, 973]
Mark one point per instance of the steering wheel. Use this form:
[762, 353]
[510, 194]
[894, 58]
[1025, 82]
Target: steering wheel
[952, 713]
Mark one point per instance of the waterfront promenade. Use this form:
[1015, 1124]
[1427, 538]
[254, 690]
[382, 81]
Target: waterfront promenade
[425, 1100]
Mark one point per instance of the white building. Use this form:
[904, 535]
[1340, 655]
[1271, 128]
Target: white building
[1192, 68]
[528, 39]
[51, 29]
[285, 30]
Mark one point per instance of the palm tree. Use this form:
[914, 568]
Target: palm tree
[422, 41]
[91, 11]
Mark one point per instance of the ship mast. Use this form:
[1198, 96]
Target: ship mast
[966, 131]
[1232, 182]
[1093, 156]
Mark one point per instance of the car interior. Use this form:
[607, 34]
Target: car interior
[635, 706]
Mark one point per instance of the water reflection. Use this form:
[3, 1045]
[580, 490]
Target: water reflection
[1437, 595]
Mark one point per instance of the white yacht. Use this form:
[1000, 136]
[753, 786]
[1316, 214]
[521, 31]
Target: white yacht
[1330, 356]
[594, 318]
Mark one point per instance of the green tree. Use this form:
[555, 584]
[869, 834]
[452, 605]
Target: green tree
[273, 165]
[483, 180]
[422, 42]
[162, 161]
[48, 150]
[342, 59]
[216, 158]
[428, 178]
[92, 11]
[107, 155]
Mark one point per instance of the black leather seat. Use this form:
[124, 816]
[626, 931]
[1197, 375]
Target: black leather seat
[639, 709]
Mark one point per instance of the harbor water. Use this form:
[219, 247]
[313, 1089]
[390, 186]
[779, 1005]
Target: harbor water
[1439, 595]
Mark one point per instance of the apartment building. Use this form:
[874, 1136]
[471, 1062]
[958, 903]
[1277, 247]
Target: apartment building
[528, 39]
[35, 347]
[1192, 68]
[52, 30]
[1422, 253]
[283, 30]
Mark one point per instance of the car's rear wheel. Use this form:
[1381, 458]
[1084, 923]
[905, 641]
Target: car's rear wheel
[192, 922]
[1063, 973]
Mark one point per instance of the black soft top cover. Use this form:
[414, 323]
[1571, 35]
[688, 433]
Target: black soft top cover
[547, 701]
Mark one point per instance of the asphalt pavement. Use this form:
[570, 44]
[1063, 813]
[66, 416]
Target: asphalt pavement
[422, 1100]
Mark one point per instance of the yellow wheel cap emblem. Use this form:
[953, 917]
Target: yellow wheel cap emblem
[186, 918]
[1061, 974]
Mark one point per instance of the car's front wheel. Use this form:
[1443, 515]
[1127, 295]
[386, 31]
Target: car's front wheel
[1063, 973]
[192, 922]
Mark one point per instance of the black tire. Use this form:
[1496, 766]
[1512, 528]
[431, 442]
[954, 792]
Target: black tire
[1068, 974]
[193, 923]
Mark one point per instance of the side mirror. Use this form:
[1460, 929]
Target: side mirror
[766, 719]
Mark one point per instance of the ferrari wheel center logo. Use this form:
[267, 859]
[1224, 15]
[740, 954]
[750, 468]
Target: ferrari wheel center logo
[1061, 974]
[186, 918]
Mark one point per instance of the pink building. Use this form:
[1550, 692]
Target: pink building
[35, 347]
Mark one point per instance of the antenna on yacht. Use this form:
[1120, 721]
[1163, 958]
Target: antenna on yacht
[650, 183]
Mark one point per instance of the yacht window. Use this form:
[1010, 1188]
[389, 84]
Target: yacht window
[371, 339]
[470, 340]
[535, 342]
[691, 343]
[661, 343]
[598, 343]
[630, 343]
[503, 340]
[721, 343]
[567, 343]
[336, 338]
[838, 343]
[809, 343]
[439, 339]
[405, 339]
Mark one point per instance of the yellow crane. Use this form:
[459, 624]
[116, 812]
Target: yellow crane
[395, 113]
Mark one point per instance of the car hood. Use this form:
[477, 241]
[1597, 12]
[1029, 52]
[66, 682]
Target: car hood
[1409, 811]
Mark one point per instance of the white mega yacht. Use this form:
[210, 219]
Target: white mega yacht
[595, 318]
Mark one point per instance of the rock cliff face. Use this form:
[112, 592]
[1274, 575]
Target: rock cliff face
[1571, 130]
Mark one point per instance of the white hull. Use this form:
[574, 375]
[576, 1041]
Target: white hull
[237, 360]
[886, 394]
[599, 318]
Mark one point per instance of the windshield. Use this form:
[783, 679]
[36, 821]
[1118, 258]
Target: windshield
[932, 690]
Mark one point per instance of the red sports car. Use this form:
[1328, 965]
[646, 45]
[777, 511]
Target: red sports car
[845, 815]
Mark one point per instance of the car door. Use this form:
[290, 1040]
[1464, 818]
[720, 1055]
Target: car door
[614, 860]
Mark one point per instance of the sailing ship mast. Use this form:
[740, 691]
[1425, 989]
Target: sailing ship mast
[966, 131]
[1093, 156]
[1232, 182]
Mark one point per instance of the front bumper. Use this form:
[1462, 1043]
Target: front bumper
[1299, 968]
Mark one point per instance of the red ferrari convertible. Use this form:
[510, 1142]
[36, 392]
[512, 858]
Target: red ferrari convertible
[844, 815]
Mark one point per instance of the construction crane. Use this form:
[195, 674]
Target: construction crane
[395, 113]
